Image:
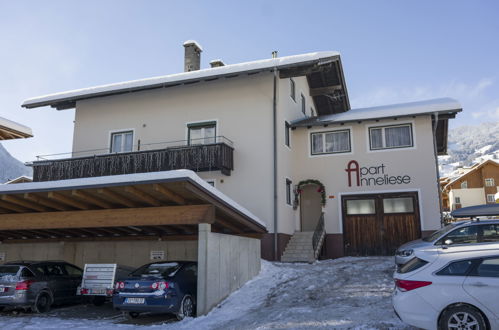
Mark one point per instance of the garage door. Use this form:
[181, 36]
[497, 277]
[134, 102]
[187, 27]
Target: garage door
[378, 224]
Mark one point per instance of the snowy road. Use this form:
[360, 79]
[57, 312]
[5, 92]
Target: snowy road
[347, 293]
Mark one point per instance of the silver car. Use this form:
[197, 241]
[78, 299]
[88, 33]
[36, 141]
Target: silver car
[37, 285]
[460, 236]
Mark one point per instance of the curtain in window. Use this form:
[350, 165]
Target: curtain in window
[116, 143]
[128, 145]
[317, 146]
[376, 138]
[337, 142]
[398, 136]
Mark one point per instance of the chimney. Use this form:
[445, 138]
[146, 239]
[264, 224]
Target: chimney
[217, 63]
[192, 58]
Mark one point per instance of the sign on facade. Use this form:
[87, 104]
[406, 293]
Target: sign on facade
[2, 256]
[157, 255]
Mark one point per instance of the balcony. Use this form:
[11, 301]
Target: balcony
[199, 156]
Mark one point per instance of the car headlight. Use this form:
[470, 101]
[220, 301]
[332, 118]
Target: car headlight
[405, 253]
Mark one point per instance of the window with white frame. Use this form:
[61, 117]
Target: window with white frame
[464, 185]
[288, 191]
[389, 137]
[202, 133]
[121, 141]
[292, 91]
[287, 132]
[303, 105]
[457, 200]
[330, 142]
[489, 182]
[491, 198]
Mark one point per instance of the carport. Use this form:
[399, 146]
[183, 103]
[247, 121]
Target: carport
[134, 219]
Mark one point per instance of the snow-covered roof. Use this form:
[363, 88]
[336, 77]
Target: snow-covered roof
[66, 100]
[15, 129]
[193, 42]
[127, 179]
[440, 106]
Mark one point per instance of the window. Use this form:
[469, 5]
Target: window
[389, 137]
[288, 191]
[457, 200]
[361, 206]
[303, 105]
[312, 112]
[464, 185]
[457, 268]
[398, 205]
[202, 133]
[489, 182]
[286, 133]
[73, 271]
[488, 268]
[464, 235]
[490, 233]
[292, 87]
[330, 142]
[211, 182]
[122, 141]
[411, 266]
[491, 198]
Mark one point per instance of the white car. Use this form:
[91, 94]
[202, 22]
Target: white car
[449, 291]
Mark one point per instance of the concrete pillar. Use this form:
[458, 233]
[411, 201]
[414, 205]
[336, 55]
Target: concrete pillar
[202, 291]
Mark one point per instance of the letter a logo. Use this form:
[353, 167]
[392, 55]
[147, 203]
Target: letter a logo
[353, 166]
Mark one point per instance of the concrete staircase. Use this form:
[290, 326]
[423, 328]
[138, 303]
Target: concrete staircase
[299, 248]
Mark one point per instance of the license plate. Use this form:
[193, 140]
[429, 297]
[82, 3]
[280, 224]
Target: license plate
[97, 291]
[2, 289]
[134, 300]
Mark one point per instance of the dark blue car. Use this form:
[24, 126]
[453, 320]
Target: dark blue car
[159, 287]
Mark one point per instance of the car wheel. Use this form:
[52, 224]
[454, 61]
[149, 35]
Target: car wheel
[42, 303]
[99, 300]
[132, 315]
[462, 317]
[186, 308]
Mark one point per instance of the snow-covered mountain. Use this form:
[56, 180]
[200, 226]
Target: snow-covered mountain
[470, 144]
[11, 168]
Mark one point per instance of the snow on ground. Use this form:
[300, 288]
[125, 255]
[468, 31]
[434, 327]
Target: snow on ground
[347, 293]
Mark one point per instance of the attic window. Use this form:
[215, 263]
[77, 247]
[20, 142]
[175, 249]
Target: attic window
[464, 185]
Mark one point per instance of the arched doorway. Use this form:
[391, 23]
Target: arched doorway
[310, 206]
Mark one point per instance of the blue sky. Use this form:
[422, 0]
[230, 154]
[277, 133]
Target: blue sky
[392, 51]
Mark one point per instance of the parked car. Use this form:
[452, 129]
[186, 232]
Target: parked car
[455, 237]
[159, 287]
[37, 285]
[99, 280]
[450, 291]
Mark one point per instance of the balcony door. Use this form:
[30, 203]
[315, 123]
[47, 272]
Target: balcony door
[202, 133]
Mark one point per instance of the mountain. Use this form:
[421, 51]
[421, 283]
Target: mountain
[468, 145]
[11, 168]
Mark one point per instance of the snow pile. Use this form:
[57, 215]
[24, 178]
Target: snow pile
[347, 293]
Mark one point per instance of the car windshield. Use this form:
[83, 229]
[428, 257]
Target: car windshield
[8, 272]
[157, 270]
[439, 233]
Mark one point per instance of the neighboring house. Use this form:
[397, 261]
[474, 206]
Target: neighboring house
[475, 185]
[11, 130]
[21, 179]
[277, 136]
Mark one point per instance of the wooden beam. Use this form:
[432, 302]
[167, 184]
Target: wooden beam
[229, 225]
[169, 194]
[47, 202]
[91, 199]
[12, 207]
[325, 90]
[148, 216]
[142, 195]
[115, 197]
[100, 239]
[68, 201]
[24, 203]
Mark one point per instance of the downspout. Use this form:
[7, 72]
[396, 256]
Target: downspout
[435, 117]
[274, 119]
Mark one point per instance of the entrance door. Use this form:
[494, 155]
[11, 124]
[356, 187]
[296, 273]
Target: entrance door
[379, 224]
[310, 207]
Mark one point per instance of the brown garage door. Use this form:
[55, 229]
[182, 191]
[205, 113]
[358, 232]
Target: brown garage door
[378, 224]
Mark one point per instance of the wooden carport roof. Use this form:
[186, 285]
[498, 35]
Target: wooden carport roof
[159, 205]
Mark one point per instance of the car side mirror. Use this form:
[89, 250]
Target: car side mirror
[448, 242]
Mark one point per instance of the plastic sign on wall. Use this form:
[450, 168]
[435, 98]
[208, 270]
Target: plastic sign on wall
[372, 176]
[157, 255]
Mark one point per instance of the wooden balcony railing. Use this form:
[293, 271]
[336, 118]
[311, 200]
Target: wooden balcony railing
[217, 156]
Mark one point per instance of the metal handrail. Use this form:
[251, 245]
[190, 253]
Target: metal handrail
[319, 230]
[139, 147]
